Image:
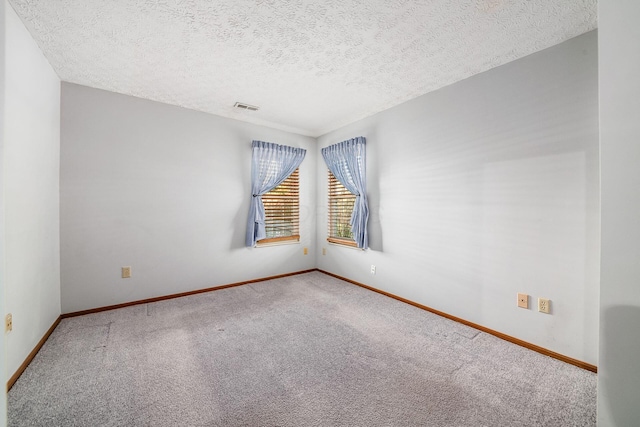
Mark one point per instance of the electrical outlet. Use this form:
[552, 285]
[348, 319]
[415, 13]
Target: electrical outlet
[373, 269]
[544, 305]
[126, 272]
[324, 251]
[523, 300]
[8, 323]
[306, 251]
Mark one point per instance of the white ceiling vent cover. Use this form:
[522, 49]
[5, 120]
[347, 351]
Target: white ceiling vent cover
[244, 106]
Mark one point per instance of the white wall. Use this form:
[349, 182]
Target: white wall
[166, 191]
[31, 190]
[486, 188]
[619, 71]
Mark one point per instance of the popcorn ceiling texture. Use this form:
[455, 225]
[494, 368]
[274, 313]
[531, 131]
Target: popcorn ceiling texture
[311, 66]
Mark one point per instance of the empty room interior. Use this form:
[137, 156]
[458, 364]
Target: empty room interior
[460, 235]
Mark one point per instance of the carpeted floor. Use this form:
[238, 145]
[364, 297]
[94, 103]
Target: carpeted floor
[306, 350]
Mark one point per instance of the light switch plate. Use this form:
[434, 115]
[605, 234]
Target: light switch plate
[523, 300]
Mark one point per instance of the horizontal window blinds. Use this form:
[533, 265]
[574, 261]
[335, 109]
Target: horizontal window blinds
[341, 203]
[282, 210]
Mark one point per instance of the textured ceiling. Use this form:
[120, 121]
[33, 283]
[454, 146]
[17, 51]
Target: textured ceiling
[311, 66]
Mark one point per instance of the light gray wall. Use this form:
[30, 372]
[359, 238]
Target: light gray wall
[486, 188]
[3, 366]
[166, 191]
[619, 71]
[31, 192]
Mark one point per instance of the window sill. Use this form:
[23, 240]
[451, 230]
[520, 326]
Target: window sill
[343, 243]
[278, 241]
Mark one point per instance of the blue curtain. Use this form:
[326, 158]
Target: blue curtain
[271, 164]
[346, 161]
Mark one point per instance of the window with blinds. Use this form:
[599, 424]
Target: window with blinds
[341, 203]
[282, 211]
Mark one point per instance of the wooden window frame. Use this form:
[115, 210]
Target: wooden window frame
[285, 196]
[338, 193]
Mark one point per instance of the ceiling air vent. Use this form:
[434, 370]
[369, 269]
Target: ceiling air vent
[243, 106]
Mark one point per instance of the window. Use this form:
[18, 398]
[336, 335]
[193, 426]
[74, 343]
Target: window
[340, 209]
[271, 166]
[346, 160]
[282, 211]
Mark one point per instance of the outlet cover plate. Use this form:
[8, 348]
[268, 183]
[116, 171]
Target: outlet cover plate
[544, 305]
[8, 323]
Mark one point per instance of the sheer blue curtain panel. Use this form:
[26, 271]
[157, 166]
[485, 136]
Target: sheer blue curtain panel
[347, 162]
[271, 165]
